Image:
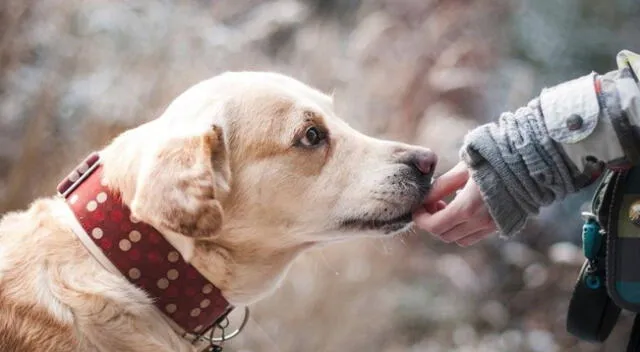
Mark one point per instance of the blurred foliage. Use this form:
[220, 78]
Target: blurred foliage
[75, 74]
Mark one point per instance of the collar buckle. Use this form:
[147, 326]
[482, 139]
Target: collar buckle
[215, 343]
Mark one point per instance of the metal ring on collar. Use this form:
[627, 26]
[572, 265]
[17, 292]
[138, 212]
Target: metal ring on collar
[234, 333]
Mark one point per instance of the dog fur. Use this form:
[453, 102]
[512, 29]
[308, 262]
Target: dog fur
[228, 176]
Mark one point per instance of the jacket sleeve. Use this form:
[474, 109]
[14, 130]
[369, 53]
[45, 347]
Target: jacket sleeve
[557, 144]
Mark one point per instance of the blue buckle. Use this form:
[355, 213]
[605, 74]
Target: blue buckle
[591, 236]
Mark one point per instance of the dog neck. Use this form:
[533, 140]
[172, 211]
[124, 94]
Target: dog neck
[139, 252]
[242, 264]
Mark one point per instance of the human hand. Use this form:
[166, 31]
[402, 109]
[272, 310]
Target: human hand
[465, 220]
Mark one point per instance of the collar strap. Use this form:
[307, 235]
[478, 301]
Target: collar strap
[139, 252]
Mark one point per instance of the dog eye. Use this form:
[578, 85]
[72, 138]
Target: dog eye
[312, 137]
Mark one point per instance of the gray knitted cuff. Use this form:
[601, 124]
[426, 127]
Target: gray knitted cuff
[509, 217]
[517, 167]
[506, 211]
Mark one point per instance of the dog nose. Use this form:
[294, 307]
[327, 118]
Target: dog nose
[424, 160]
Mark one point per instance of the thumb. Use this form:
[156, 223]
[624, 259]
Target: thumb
[448, 183]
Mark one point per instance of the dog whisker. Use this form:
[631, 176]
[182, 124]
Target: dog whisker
[384, 250]
[327, 265]
[402, 241]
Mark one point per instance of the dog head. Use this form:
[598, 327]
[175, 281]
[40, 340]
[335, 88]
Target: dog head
[259, 166]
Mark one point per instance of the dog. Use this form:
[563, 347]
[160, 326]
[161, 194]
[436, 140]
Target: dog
[239, 175]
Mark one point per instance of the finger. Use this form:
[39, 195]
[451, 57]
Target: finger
[462, 208]
[440, 221]
[465, 229]
[448, 183]
[475, 238]
[478, 222]
[435, 207]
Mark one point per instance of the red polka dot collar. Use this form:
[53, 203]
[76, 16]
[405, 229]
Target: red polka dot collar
[140, 253]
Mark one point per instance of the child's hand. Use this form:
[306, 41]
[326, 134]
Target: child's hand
[466, 220]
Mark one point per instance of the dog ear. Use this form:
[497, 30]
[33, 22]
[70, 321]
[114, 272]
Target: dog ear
[179, 189]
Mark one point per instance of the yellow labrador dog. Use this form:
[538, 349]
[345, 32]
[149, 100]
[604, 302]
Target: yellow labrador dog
[158, 235]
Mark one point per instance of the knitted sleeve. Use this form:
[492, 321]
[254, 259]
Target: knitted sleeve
[557, 144]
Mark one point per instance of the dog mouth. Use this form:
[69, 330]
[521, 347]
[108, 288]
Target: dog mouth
[386, 226]
[397, 221]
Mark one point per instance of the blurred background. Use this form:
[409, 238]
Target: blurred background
[74, 74]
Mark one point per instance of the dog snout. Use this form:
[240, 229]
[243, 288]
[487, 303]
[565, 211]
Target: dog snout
[422, 160]
[425, 161]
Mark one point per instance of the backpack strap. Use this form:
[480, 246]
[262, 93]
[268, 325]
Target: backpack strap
[592, 314]
[634, 339]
